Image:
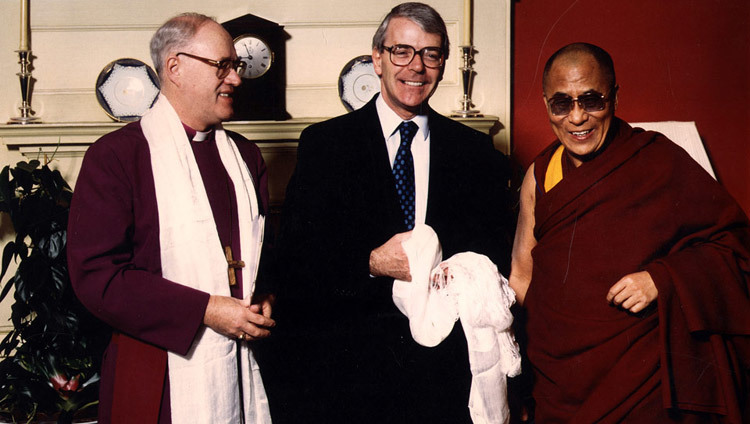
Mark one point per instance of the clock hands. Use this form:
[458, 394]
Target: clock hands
[257, 56]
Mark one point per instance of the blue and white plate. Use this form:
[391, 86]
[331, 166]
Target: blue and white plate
[126, 89]
[358, 82]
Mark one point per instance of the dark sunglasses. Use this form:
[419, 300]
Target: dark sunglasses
[590, 102]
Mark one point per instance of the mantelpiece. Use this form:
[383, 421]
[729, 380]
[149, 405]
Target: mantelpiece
[85, 133]
[277, 140]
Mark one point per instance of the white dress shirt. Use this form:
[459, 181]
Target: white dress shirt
[420, 150]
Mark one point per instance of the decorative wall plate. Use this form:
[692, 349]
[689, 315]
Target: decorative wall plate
[126, 89]
[358, 82]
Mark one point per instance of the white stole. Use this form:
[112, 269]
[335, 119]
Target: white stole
[466, 286]
[204, 384]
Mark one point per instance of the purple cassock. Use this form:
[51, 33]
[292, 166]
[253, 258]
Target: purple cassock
[115, 265]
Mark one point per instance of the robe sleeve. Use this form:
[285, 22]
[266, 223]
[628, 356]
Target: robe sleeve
[707, 266]
[704, 284]
[710, 282]
[704, 324]
[113, 249]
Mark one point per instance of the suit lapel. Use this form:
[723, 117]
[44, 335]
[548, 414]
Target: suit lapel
[438, 144]
[372, 134]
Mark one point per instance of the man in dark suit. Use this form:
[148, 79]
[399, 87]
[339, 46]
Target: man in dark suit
[345, 353]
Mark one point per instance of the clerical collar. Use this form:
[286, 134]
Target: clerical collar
[389, 120]
[197, 136]
[202, 135]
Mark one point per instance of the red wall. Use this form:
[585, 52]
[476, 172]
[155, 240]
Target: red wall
[681, 60]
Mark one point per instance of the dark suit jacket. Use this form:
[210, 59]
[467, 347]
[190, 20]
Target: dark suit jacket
[340, 205]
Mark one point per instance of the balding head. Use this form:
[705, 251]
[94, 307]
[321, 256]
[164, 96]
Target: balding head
[173, 35]
[574, 53]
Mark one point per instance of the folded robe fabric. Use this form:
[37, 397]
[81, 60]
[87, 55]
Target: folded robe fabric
[466, 286]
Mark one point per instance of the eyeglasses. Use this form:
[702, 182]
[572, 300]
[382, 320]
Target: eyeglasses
[403, 54]
[591, 102]
[222, 66]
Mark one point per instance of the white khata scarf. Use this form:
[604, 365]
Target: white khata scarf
[204, 384]
[466, 286]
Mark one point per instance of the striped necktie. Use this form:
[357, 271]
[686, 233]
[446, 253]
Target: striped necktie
[403, 172]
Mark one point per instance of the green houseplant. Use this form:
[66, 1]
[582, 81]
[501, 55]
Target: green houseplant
[50, 361]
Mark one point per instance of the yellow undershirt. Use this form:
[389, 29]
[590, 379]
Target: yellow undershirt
[554, 172]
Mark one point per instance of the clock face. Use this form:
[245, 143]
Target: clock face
[256, 54]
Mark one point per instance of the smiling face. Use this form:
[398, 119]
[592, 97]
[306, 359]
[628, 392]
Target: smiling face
[201, 99]
[405, 89]
[582, 133]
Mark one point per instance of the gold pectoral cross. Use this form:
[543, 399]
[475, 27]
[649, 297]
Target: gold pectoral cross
[232, 265]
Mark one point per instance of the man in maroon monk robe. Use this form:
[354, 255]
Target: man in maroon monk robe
[633, 265]
[159, 206]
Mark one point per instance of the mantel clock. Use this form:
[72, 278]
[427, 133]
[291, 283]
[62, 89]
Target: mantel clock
[261, 44]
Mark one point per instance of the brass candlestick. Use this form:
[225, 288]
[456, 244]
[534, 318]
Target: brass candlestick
[467, 72]
[24, 58]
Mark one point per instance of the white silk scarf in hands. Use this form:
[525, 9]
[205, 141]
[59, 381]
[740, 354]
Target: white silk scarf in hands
[468, 287]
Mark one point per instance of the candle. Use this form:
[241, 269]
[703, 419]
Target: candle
[24, 25]
[467, 23]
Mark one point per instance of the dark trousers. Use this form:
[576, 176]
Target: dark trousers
[364, 371]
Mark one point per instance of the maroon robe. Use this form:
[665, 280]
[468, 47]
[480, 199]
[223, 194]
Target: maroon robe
[641, 204]
[115, 265]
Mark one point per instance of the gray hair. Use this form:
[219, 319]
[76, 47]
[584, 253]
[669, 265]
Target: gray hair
[600, 55]
[421, 14]
[175, 34]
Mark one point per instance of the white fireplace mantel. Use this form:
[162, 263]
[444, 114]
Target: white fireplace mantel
[277, 140]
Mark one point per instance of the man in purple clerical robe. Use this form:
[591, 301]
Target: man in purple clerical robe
[165, 238]
[633, 265]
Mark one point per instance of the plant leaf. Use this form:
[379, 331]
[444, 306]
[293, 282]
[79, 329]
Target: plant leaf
[23, 176]
[8, 252]
[22, 250]
[5, 189]
[7, 288]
